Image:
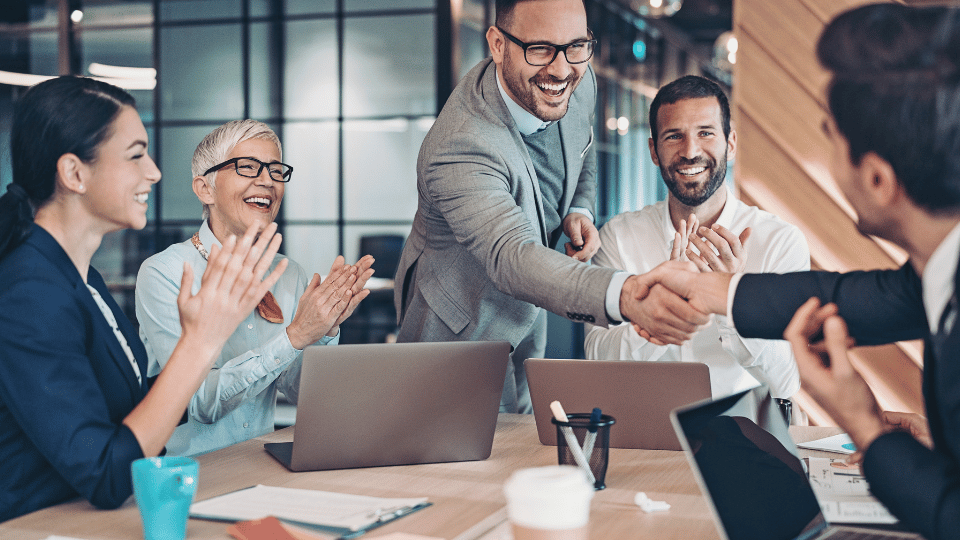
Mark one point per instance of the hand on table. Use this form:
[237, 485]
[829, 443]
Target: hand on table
[584, 238]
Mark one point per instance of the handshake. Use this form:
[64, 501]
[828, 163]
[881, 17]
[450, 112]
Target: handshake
[668, 304]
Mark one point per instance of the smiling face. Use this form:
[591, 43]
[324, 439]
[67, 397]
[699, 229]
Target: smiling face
[691, 150]
[544, 91]
[118, 182]
[235, 201]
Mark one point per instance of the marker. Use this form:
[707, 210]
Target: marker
[591, 437]
[572, 443]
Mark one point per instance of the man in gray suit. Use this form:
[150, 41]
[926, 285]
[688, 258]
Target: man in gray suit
[508, 166]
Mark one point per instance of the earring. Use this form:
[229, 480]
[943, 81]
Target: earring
[80, 187]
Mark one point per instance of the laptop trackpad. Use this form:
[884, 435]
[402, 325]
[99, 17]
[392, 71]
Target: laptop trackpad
[282, 452]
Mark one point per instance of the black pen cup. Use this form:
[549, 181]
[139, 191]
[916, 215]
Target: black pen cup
[583, 430]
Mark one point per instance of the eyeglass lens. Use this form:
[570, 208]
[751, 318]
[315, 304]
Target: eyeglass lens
[576, 53]
[251, 169]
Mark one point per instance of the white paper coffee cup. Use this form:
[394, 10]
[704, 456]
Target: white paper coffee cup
[550, 500]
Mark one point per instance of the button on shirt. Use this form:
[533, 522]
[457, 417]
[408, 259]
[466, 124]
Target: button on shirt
[639, 241]
[237, 400]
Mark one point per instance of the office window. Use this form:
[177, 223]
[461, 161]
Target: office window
[121, 48]
[380, 168]
[265, 73]
[200, 72]
[312, 148]
[178, 201]
[389, 66]
[311, 7]
[116, 12]
[310, 87]
[194, 10]
[352, 6]
[314, 247]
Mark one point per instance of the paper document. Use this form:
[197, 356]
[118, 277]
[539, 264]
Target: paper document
[306, 506]
[838, 444]
[844, 493]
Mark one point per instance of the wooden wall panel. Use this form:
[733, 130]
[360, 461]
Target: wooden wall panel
[783, 166]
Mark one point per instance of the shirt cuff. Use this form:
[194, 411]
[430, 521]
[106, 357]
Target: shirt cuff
[731, 293]
[613, 296]
[580, 210]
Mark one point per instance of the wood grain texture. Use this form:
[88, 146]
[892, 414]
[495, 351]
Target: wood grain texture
[462, 494]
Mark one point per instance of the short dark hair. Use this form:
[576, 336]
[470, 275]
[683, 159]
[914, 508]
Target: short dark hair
[505, 12]
[689, 87]
[895, 91]
[64, 115]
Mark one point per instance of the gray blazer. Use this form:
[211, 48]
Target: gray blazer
[479, 264]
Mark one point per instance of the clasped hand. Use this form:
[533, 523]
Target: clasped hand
[327, 303]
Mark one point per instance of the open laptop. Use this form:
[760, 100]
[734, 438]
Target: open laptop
[395, 404]
[639, 395]
[750, 471]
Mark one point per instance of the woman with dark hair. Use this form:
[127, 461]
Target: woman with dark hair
[75, 405]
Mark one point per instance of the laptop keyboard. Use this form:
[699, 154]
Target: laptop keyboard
[860, 534]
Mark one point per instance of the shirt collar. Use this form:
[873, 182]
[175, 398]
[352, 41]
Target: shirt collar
[207, 238]
[526, 123]
[938, 277]
[725, 218]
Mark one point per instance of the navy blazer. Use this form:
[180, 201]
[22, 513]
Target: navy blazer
[65, 384]
[919, 486]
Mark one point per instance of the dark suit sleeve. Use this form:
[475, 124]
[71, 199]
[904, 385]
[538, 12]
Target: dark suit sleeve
[880, 306]
[60, 426]
[918, 485]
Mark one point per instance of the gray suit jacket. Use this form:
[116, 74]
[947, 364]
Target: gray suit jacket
[479, 264]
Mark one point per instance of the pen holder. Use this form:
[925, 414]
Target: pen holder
[594, 441]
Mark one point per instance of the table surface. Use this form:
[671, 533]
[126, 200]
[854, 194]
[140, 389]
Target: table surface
[463, 494]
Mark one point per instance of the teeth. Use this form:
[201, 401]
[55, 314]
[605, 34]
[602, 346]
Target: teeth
[553, 88]
[258, 200]
[692, 172]
[141, 197]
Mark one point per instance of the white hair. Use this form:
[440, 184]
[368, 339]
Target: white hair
[215, 147]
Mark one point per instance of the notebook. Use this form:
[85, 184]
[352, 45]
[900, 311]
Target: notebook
[751, 474]
[638, 395]
[395, 404]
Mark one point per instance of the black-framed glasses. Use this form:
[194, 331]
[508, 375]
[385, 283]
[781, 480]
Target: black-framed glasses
[252, 167]
[543, 54]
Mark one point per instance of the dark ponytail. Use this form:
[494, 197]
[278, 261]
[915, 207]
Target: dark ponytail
[65, 115]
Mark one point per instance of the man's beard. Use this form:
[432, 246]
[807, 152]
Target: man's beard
[527, 96]
[698, 195]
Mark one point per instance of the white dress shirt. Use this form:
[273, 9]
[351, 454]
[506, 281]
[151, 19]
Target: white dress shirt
[639, 241]
[938, 279]
[238, 399]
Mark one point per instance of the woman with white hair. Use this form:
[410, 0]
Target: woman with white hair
[239, 178]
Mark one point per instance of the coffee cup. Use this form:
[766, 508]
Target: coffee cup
[164, 488]
[549, 503]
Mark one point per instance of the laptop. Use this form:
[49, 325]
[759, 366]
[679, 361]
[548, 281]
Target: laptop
[638, 395]
[751, 474]
[395, 404]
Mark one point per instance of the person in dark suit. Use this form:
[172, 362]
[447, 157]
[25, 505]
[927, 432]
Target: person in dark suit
[894, 100]
[508, 167]
[75, 405]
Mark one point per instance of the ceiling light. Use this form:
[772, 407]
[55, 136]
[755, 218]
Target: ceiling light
[76, 16]
[656, 8]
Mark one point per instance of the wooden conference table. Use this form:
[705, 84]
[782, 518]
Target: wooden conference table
[463, 494]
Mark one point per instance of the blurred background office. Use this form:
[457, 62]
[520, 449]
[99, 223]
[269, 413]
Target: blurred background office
[351, 87]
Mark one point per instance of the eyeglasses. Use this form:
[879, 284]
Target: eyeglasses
[252, 167]
[543, 54]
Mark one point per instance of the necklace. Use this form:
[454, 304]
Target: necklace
[268, 308]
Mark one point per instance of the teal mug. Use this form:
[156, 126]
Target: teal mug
[164, 488]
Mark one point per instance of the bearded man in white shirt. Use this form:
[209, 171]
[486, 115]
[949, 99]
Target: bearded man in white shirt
[701, 221]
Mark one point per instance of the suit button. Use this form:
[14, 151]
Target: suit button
[590, 318]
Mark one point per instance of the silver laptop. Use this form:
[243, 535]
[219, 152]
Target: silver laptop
[750, 471]
[395, 404]
[639, 395]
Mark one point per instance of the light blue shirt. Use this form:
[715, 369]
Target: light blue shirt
[237, 400]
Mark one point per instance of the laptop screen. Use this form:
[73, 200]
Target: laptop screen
[749, 468]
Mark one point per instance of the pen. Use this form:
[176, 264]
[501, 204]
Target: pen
[591, 437]
[572, 443]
